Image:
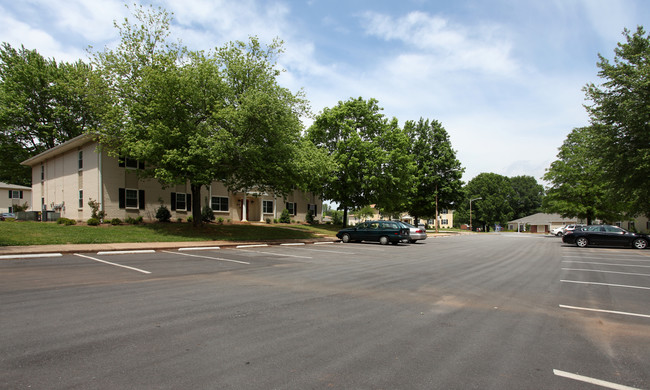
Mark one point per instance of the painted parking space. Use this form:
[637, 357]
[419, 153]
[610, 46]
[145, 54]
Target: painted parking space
[611, 285]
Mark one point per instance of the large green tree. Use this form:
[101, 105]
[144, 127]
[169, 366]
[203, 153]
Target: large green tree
[437, 176]
[620, 110]
[42, 104]
[528, 196]
[197, 117]
[578, 183]
[494, 207]
[372, 165]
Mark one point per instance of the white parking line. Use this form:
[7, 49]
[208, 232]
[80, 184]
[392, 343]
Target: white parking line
[605, 272]
[619, 265]
[606, 311]
[126, 252]
[207, 257]
[115, 264]
[294, 244]
[276, 254]
[593, 381]
[30, 256]
[605, 284]
[199, 248]
[250, 246]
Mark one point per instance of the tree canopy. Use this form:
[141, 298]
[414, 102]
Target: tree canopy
[528, 196]
[620, 111]
[197, 117]
[437, 176]
[578, 183]
[42, 104]
[495, 205]
[369, 153]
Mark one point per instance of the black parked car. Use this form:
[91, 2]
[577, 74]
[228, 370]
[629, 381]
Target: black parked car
[382, 231]
[606, 235]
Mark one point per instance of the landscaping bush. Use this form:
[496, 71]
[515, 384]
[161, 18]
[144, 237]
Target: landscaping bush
[309, 218]
[268, 221]
[190, 219]
[131, 220]
[220, 220]
[66, 221]
[116, 221]
[207, 215]
[163, 214]
[92, 222]
[285, 217]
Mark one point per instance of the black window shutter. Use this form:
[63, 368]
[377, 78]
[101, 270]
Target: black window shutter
[141, 164]
[21, 194]
[141, 199]
[173, 201]
[9, 194]
[188, 207]
[122, 199]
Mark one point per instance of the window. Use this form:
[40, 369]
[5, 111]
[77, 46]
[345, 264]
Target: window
[444, 211]
[81, 199]
[220, 203]
[313, 208]
[81, 160]
[15, 194]
[131, 199]
[181, 201]
[444, 222]
[130, 163]
[267, 206]
[42, 172]
[292, 207]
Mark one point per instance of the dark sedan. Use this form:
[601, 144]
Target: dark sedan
[382, 231]
[606, 235]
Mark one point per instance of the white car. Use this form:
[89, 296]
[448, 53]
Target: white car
[559, 231]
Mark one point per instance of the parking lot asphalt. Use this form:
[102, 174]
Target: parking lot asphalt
[9, 251]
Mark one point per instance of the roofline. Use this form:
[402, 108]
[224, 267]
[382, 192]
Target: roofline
[64, 147]
[14, 186]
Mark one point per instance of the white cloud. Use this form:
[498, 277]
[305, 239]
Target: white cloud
[483, 48]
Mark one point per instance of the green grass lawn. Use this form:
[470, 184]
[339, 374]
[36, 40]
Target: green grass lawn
[44, 233]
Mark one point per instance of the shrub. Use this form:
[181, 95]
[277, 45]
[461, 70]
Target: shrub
[220, 220]
[93, 222]
[139, 219]
[190, 219]
[66, 221]
[268, 221]
[337, 217]
[95, 213]
[163, 214]
[116, 221]
[131, 220]
[310, 217]
[207, 215]
[285, 217]
[275, 220]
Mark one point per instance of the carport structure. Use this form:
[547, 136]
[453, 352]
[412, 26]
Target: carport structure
[540, 222]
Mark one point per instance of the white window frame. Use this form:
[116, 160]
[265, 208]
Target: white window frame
[184, 195]
[218, 203]
[267, 206]
[126, 198]
[15, 194]
[80, 164]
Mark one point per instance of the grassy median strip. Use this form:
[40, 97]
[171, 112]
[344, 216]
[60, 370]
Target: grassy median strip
[48, 233]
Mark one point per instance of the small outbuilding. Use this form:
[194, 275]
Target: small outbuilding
[540, 223]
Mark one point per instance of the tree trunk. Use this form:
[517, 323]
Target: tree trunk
[345, 216]
[196, 204]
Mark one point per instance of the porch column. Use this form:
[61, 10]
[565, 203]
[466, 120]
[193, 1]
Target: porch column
[261, 209]
[244, 209]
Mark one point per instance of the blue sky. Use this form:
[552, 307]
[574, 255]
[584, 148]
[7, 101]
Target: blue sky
[504, 77]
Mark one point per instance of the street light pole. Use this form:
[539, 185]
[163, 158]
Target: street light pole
[470, 211]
